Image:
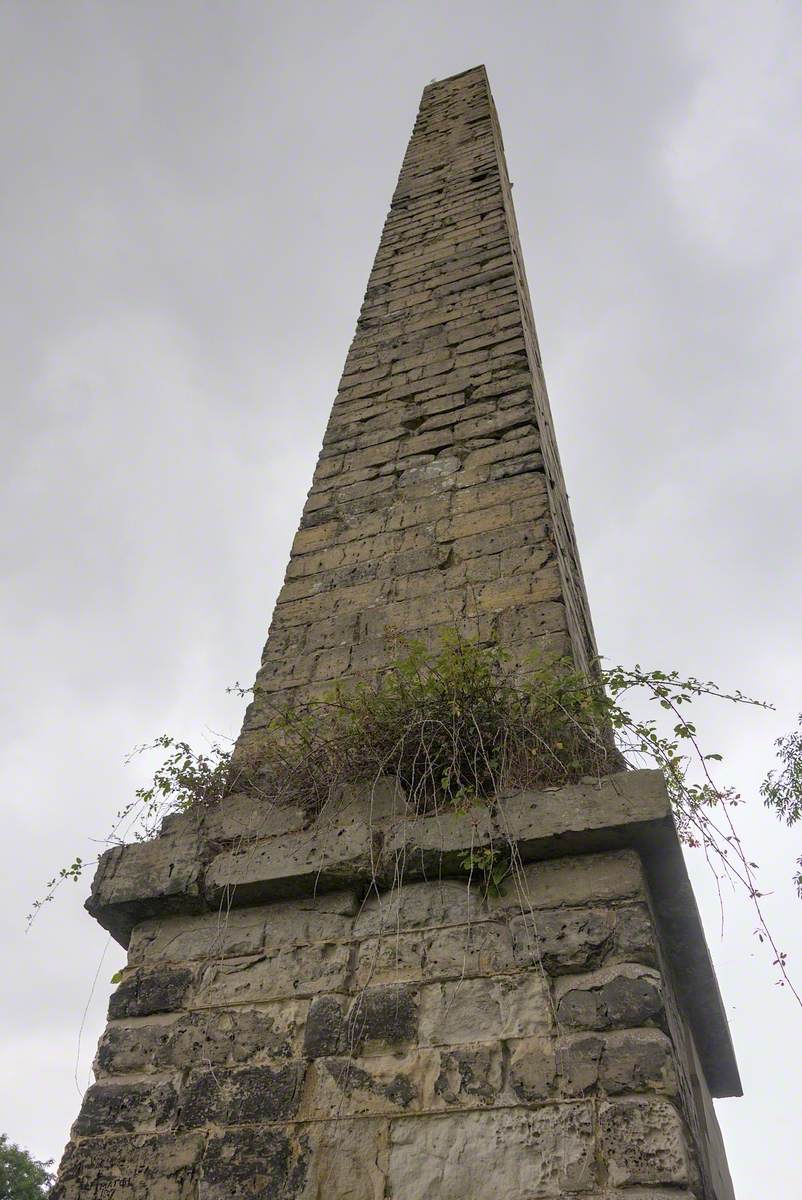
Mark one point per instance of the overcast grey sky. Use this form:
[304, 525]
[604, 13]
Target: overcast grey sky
[193, 195]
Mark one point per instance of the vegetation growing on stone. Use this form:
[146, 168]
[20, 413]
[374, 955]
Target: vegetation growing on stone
[458, 725]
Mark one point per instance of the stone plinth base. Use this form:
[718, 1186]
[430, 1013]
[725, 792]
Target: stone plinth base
[339, 1012]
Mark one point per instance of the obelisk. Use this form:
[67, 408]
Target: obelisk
[330, 1009]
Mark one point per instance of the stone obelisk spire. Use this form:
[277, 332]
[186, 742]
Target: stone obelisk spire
[438, 499]
[332, 1009]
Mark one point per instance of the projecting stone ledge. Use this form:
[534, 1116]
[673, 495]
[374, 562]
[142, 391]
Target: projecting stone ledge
[249, 852]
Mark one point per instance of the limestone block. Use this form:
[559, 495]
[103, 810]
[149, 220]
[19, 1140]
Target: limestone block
[160, 1167]
[562, 940]
[387, 1084]
[514, 1153]
[426, 846]
[634, 939]
[145, 991]
[324, 1029]
[454, 952]
[221, 1038]
[419, 906]
[166, 872]
[388, 959]
[241, 1096]
[643, 1141]
[468, 1076]
[574, 881]
[381, 1017]
[501, 1007]
[612, 997]
[533, 1069]
[243, 817]
[243, 1164]
[130, 1106]
[244, 931]
[338, 1160]
[629, 798]
[324, 858]
[281, 974]
[213, 935]
[638, 1060]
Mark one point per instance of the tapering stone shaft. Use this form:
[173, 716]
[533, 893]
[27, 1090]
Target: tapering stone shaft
[438, 499]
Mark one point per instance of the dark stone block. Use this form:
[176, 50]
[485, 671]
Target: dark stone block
[466, 1073]
[324, 1030]
[131, 1168]
[626, 1001]
[622, 1001]
[249, 1164]
[221, 1038]
[145, 992]
[387, 1016]
[118, 1107]
[242, 1096]
[350, 1078]
[636, 1061]
[634, 935]
[579, 1064]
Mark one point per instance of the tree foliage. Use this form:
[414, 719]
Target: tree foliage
[21, 1176]
[782, 789]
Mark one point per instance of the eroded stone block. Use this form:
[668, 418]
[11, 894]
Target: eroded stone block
[643, 1141]
[612, 997]
[130, 1106]
[514, 1153]
[156, 1167]
[468, 1010]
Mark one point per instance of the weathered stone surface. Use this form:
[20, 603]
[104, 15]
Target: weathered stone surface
[152, 1167]
[245, 817]
[351, 1086]
[380, 1017]
[244, 931]
[468, 1010]
[575, 881]
[614, 802]
[563, 940]
[514, 1153]
[533, 1069]
[243, 1164]
[243, 1096]
[341, 1160]
[643, 1142]
[280, 974]
[129, 1106]
[461, 951]
[611, 997]
[637, 1060]
[427, 846]
[222, 1039]
[167, 871]
[419, 906]
[297, 864]
[143, 992]
[469, 1075]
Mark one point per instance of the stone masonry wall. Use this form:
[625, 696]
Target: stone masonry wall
[418, 1043]
[438, 497]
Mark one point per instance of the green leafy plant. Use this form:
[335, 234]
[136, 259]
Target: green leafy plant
[492, 865]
